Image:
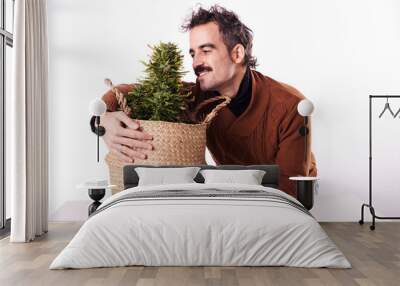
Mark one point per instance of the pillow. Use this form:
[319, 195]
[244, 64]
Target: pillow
[249, 177]
[161, 176]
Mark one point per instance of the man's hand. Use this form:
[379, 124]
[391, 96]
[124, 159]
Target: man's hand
[127, 143]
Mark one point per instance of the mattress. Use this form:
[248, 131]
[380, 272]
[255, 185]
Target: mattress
[201, 225]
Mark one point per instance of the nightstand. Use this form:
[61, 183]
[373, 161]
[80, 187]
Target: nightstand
[96, 191]
[305, 190]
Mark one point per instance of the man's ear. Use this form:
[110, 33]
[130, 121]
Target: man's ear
[238, 53]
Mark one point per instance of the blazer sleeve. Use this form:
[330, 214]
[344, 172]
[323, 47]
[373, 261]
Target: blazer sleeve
[110, 99]
[291, 148]
[112, 103]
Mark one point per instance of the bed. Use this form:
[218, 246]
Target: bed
[201, 224]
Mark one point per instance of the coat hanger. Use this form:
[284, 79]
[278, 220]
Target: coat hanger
[397, 113]
[387, 107]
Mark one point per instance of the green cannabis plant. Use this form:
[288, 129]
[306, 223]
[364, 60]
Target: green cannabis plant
[159, 96]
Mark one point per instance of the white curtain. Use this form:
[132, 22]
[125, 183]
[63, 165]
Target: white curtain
[28, 122]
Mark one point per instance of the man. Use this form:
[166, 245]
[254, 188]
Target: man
[260, 125]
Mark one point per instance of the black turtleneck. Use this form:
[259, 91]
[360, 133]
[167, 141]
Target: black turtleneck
[242, 99]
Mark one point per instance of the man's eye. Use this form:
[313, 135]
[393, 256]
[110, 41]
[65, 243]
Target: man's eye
[206, 51]
[192, 55]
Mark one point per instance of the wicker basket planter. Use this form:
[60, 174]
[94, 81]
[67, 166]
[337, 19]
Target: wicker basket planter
[174, 143]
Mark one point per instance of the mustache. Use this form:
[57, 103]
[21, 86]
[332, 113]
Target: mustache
[200, 69]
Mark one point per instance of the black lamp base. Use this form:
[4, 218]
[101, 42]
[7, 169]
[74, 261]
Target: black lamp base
[96, 195]
[305, 193]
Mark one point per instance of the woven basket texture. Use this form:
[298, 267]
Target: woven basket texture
[174, 144]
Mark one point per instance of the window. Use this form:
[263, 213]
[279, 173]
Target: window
[6, 44]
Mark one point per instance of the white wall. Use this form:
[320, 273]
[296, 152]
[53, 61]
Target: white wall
[335, 52]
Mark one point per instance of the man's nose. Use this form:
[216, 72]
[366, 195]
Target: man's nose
[197, 61]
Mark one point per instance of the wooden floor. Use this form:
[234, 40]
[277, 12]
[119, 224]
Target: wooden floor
[374, 255]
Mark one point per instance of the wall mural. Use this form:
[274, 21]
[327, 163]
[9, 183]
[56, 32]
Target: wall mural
[241, 115]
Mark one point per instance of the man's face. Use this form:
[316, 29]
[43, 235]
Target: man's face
[212, 62]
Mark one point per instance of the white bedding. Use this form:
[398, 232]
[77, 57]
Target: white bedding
[181, 231]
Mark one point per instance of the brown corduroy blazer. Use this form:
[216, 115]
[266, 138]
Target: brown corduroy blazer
[267, 132]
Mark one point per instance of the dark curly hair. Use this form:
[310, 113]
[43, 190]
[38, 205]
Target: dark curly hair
[233, 31]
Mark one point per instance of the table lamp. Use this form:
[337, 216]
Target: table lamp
[98, 107]
[305, 185]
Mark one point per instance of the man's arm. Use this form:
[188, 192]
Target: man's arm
[290, 156]
[110, 99]
[123, 136]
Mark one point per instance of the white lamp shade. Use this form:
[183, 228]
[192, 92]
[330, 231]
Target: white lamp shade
[97, 107]
[305, 107]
